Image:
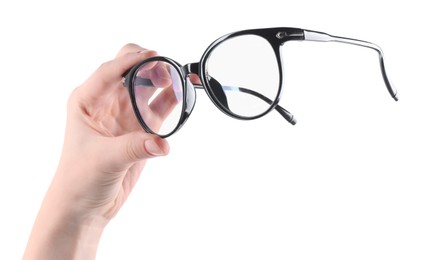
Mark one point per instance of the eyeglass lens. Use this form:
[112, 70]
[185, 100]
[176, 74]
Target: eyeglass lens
[244, 66]
[158, 91]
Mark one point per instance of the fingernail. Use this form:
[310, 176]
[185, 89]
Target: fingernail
[152, 148]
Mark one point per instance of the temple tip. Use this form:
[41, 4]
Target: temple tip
[396, 96]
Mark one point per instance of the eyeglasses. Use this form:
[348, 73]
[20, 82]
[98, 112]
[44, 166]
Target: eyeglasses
[241, 72]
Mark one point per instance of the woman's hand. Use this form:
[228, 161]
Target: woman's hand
[104, 152]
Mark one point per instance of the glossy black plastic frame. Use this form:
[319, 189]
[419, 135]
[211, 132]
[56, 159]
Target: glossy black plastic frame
[276, 37]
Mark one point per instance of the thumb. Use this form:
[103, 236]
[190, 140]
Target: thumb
[136, 146]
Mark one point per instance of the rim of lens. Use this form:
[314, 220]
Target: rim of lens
[272, 99]
[176, 67]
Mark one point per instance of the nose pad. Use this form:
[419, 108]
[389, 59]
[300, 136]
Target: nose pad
[217, 90]
[190, 98]
[189, 101]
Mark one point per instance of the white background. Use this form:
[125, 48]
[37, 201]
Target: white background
[344, 183]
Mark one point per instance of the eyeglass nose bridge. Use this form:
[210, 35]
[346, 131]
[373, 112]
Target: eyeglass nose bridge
[190, 68]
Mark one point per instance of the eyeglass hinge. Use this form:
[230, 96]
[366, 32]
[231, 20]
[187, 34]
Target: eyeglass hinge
[288, 34]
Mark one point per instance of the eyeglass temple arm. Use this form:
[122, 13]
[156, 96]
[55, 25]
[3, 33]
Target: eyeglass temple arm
[285, 113]
[324, 37]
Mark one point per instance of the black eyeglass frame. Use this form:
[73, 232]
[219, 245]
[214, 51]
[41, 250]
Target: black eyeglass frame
[276, 37]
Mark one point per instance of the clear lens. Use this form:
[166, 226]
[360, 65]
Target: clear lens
[246, 69]
[158, 91]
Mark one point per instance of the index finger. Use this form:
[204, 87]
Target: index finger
[112, 71]
[130, 47]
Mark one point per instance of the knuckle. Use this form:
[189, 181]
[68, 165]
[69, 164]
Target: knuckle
[130, 47]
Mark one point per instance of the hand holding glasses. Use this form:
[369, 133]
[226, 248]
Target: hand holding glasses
[241, 73]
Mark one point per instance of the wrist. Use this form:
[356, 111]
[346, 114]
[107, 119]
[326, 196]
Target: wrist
[59, 232]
